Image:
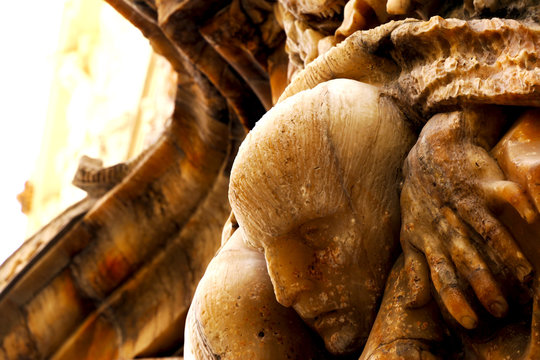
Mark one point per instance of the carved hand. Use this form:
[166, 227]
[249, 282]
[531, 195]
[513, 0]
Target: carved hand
[451, 187]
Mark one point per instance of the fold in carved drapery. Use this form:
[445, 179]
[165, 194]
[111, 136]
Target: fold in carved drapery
[143, 246]
[129, 253]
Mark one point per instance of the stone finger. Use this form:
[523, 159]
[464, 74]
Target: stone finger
[503, 191]
[413, 244]
[417, 272]
[445, 282]
[398, 7]
[497, 237]
[471, 266]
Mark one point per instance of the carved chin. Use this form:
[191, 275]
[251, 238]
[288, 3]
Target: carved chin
[343, 339]
[340, 333]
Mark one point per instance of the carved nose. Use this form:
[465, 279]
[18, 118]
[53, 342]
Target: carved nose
[287, 295]
[288, 261]
[289, 284]
[283, 296]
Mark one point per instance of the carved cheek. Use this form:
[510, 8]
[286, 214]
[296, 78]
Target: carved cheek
[332, 267]
[332, 257]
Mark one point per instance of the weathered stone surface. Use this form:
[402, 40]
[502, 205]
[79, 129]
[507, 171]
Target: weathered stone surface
[314, 190]
[312, 214]
[450, 69]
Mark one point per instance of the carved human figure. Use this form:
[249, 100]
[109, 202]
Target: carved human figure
[322, 232]
[444, 181]
[235, 314]
[302, 197]
[315, 186]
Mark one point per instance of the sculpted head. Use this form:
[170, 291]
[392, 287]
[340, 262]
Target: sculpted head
[315, 187]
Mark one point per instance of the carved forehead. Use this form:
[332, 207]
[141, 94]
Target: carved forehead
[285, 171]
[299, 162]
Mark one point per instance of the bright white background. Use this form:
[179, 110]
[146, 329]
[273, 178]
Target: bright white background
[102, 68]
[29, 32]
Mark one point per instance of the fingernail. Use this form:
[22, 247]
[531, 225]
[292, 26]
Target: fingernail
[499, 307]
[530, 215]
[468, 322]
[524, 273]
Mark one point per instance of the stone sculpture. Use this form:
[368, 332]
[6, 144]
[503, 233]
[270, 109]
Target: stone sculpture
[314, 214]
[314, 237]
[283, 195]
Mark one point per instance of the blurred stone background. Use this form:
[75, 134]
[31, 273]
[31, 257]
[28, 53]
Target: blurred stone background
[77, 79]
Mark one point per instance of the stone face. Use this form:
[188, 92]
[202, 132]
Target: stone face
[300, 195]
